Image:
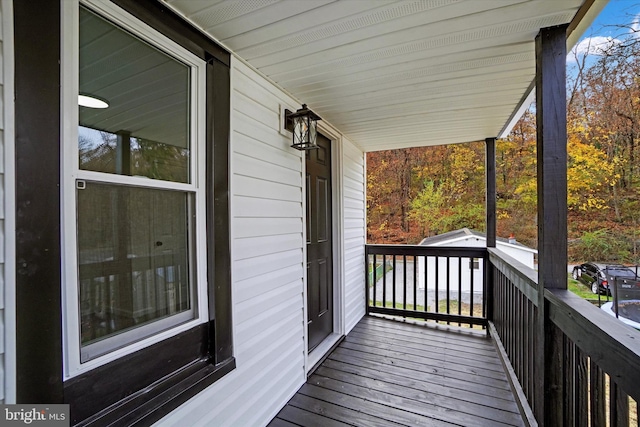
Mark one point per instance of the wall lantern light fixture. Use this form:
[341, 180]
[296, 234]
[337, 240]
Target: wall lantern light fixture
[304, 126]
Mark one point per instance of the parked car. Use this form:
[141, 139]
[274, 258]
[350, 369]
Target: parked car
[599, 277]
[593, 276]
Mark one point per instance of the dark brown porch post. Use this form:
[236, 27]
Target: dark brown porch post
[490, 172]
[551, 118]
[37, 206]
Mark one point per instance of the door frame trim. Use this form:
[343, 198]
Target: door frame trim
[337, 226]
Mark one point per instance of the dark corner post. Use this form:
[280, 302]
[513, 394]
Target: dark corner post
[38, 271]
[551, 119]
[491, 199]
[490, 172]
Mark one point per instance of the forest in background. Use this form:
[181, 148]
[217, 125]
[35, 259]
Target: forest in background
[419, 192]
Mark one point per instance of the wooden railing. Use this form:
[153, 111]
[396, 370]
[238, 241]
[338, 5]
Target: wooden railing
[575, 364]
[440, 284]
[571, 364]
[514, 304]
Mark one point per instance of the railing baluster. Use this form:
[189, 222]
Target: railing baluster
[485, 271]
[471, 275]
[597, 398]
[509, 321]
[618, 404]
[513, 320]
[375, 276]
[581, 389]
[415, 282]
[531, 348]
[534, 369]
[522, 337]
[404, 282]
[569, 381]
[384, 282]
[526, 349]
[393, 289]
[426, 282]
[448, 286]
[367, 281]
[498, 319]
[518, 337]
[437, 296]
[459, 287]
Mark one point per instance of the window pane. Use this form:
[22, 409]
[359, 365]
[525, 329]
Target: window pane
[133, 252]
[144, 130]
[101, 151]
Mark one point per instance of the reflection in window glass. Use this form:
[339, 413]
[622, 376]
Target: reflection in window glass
[101, 151]
[133, 256]
[144, 131]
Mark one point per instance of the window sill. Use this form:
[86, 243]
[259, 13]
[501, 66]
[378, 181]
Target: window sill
[142, 387]
[154, 402]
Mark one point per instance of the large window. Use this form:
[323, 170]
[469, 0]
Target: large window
[137, 192]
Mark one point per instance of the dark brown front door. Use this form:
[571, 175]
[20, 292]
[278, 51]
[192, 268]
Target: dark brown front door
[319, 246]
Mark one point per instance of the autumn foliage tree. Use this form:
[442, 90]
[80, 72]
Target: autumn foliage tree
[391, 178]
[407, 189]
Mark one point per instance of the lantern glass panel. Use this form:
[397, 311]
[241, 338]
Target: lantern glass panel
[300, 130]
[313, 132]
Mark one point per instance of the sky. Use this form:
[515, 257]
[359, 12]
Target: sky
[602, 31]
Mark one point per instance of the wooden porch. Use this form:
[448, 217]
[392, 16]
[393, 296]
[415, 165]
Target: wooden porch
[392, 373]
[524, 355]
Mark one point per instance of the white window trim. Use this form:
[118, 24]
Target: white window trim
[10, 387]
[70, 173]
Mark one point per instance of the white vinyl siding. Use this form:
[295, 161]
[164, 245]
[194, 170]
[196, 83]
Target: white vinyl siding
[354, 215]
[267, 265]
[268, 262]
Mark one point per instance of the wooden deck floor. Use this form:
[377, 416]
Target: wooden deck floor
[388, 373]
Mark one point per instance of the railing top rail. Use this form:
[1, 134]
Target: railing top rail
[443, 251]
[611, 344]
[523, 277]
[527, 273]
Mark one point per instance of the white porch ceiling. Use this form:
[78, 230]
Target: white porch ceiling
[394, 74]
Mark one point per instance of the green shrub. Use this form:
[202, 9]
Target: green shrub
[601, 245]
